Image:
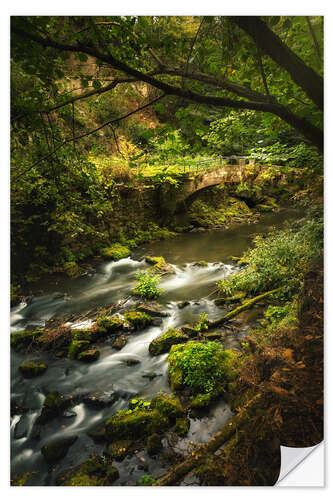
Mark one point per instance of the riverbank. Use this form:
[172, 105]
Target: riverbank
[128, 368]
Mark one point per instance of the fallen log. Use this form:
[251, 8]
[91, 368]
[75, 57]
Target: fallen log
[202, 453]
[246, 305]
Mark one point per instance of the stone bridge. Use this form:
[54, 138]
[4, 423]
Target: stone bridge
[195, 181]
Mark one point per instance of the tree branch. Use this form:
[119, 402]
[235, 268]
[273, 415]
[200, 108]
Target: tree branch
[310, 131]
[314, 38]
[304, 76]
[71, 139]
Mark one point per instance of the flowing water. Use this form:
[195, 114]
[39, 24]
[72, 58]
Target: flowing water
[110, 375]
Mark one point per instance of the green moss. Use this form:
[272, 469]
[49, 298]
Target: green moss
[213, 336]
[182, 426]
[201, 263]
[202, 367]
[88, 356]
[139, 320]
[115, 252]
[109, 324]
[119, 449]
[93, 466]
[120, 342]
[21, 339]
[71, 269]
[159, 265]
[112, 473]
[76, 347]
[154, 444]
[31, 369]
[80, 479]
[167, 406]
[136, 425]
[84, 334]
[237, 297]
[201, 400]
[164, 342]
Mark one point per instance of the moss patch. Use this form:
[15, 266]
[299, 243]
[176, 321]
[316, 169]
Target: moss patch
[89, 356]
[164, 342]
[24, 338]
[182, 426]
[31, 369]
[136, 425]
[115, 252]
[109, 324]
[167, 406]
[76, 347]
[154, 444]
[139, 320]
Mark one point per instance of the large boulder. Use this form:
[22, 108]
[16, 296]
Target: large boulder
[164, 342]
[159, 264]
[169, 407]
[139, 320]
[57, 449]
[136, 425]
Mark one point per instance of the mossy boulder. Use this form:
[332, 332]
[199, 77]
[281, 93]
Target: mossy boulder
[183, 304]
[54, 404]
[152, 309]
[112, 473]
[182, 426]
[115, 252]
[24, 338]
[93, 472]
[97, 433]
[170, 407]
[164, 342]
[201, 263]
[120, 342]
[32, 369]
[88, 356]
[136, 425]
[189, 331]
[57, 449]
[139, 320]
[159, 264]
[154, 444]
[71, 269]
[76, 347]
[119, 449]
[109, 324]
[85, 334]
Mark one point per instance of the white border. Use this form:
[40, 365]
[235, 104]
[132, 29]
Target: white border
[172, 7]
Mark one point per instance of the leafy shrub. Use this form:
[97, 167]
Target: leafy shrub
[202, 323]
[274, 314]
[147, 285]
[146, 480]
[203, 365]
[279, 260]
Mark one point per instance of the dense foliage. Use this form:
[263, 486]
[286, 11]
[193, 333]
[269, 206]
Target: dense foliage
[147, 286]
[204, 365]
[279, 259]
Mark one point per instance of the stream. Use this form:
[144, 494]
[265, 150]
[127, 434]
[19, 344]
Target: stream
[110, 375]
